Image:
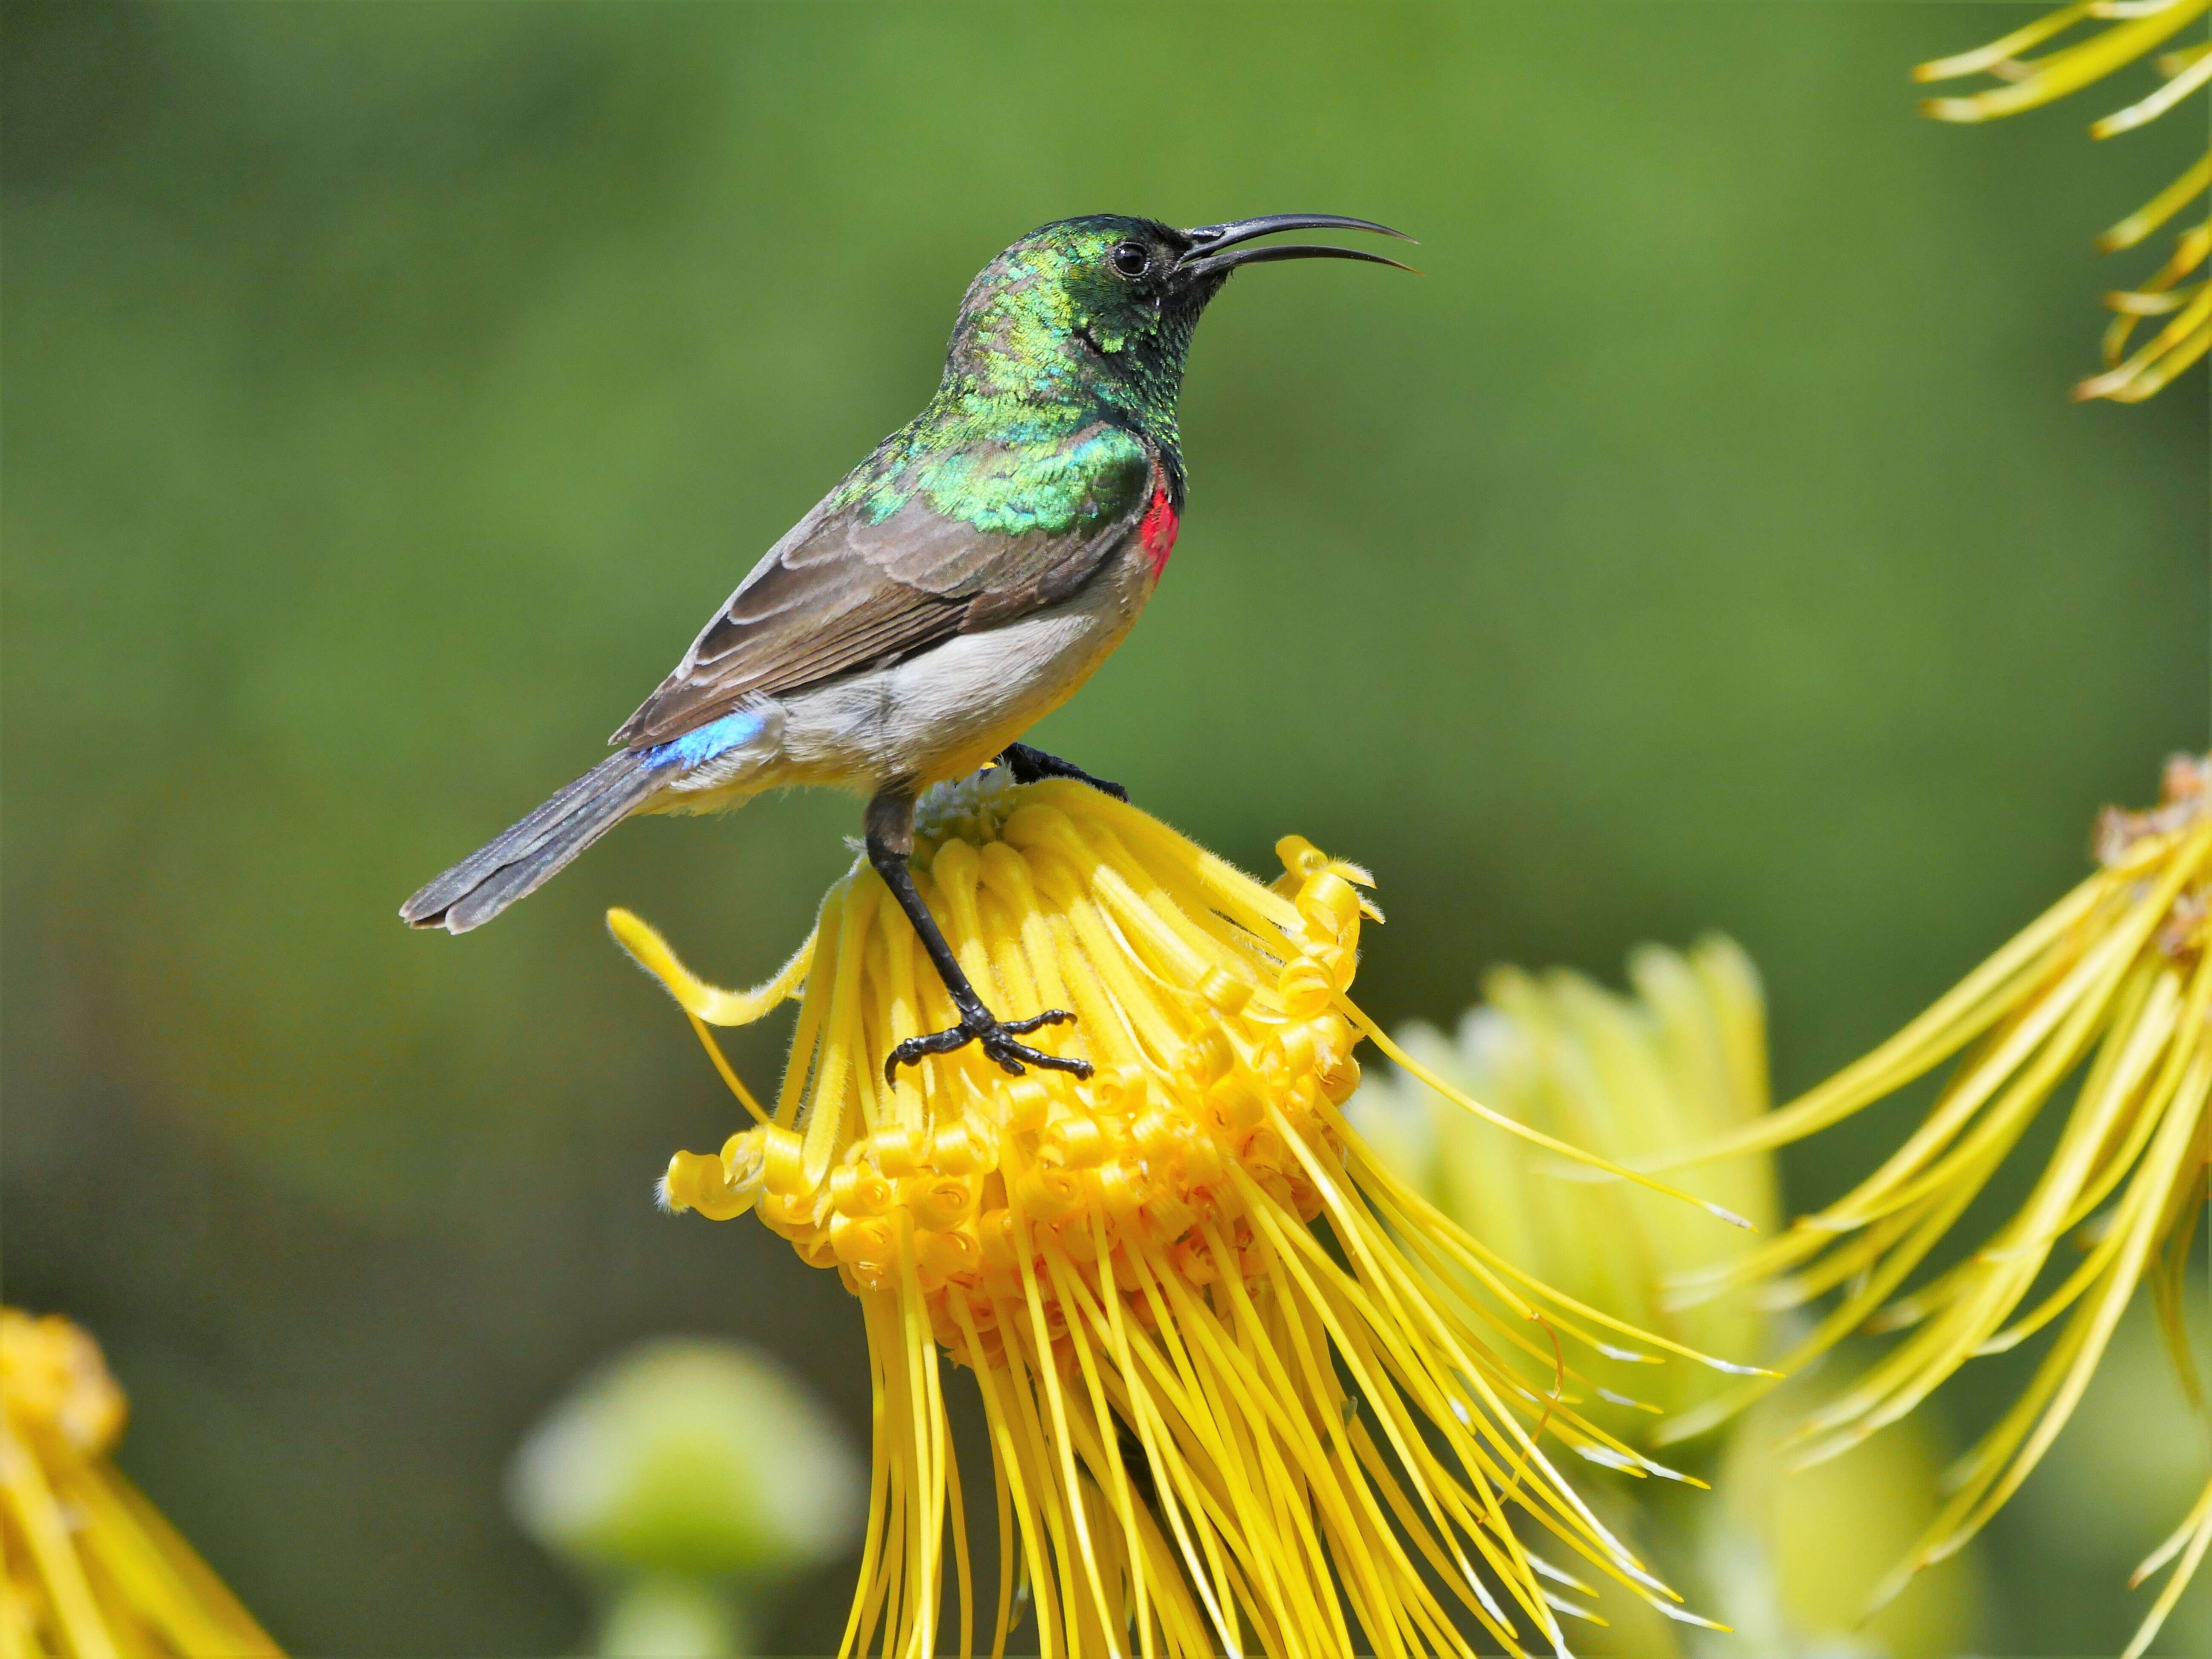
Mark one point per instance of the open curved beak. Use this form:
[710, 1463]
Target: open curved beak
[1209, 253]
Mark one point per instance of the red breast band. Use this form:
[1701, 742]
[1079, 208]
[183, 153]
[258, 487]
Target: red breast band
[1157, 532]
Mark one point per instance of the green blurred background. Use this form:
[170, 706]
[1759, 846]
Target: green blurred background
[1705, 540]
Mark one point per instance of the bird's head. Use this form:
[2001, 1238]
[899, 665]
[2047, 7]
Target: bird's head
[1103, 307]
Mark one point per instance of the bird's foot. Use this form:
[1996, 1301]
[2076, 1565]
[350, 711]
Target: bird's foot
[1030, 765]
[997, 1036]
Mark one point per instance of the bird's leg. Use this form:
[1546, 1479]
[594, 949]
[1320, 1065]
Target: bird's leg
[1029, 765]
[889, 825]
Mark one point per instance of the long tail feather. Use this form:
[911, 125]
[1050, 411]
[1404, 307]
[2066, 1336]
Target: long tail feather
[521, 860]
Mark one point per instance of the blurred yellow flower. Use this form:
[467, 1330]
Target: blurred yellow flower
[2112, 984]
[87, 1568]
[1210, 1429]
[1787, 1561]
[1684, 1060]
[2133, 28]
[1789, 1556]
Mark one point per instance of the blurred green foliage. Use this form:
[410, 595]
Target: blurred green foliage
[1705, 541]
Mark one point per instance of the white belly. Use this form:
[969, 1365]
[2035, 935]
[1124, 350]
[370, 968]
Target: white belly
[955, 707]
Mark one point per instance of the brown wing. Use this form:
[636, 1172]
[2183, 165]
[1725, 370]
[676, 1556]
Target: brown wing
[840, 593]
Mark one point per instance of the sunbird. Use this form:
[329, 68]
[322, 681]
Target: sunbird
[956, 587]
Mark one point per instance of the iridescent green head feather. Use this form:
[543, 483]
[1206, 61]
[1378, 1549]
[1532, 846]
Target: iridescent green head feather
[1085, 309]
[1064, 369]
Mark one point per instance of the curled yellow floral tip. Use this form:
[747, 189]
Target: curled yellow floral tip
[722, 1189]
[704, 1001]
[1303, 862]
[2178, 345]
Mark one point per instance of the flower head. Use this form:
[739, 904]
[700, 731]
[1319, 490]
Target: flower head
[87, 1567]
[1214, 1424]
[2109, 990]
[2131, 29]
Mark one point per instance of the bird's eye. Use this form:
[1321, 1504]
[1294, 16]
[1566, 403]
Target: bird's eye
[1131, 259]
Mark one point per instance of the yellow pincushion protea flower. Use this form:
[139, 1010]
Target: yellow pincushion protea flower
[2131, 29]
[87, 1568]
[2112, 986]
[1210, 1429]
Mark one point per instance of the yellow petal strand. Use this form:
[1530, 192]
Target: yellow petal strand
[1143, 1413]
[725, 1071]
[2012, 1081]
[2072, 68]
[2191, 77]
[2137, 1227]
[1972, 1007]
[835, 1072]
[2011, 1450]
[1869, 1292]
[39, 1518]
[2089, 1164]
[828, 926]
[2134, 28]
[2175, 63]
[1537, 1137]
[1428, 1230]
[2189, 1542]
[1961, 1014]
[1983, 59]
[154, 1571]
[2152, 368]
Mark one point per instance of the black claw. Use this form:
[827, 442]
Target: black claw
[1049, 1017]
[977, 1024]
[996, 1037]
[919, 1048]
[1033, 765]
